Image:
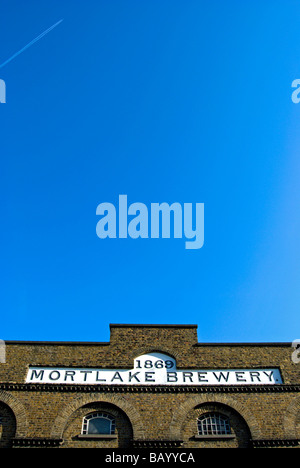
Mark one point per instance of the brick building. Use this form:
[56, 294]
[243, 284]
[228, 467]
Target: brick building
[149, 386]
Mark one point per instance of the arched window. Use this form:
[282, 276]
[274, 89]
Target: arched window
[98, 423]
[213, 424]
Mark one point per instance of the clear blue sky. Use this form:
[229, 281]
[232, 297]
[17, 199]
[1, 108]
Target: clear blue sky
[165, 101]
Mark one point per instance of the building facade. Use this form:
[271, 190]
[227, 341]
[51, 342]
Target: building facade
[150, 386]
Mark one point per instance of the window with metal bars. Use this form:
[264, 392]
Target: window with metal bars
[98, 423]
[213, 424]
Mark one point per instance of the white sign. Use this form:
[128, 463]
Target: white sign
[153, 369]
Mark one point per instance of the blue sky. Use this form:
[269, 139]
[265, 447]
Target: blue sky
[165, 101]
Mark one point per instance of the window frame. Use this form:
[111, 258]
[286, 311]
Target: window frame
[98, 415]
[219, 424]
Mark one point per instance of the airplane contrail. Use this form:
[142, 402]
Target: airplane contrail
[31, 43]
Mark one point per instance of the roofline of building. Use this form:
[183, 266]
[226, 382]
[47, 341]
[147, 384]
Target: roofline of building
[141, 325]
[150, 325]
[107, 343]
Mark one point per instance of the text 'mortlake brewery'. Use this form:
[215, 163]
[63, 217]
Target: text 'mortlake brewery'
[153, 369]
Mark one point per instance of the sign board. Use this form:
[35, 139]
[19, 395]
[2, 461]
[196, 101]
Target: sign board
[153, 369]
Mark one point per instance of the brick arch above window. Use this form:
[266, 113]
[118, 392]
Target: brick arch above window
[19, 412]
[290, 419]
[182, 411]
[115, 400]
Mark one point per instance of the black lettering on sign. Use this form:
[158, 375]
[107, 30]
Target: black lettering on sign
[70, 374]
[187, 375]
[86, 372]
[97, 378]
[239, 377]
[201, 377]
[57, 375]
[149, 376]
[172, 377]
[117, 376]
[254, 375]
[133, 376]
[270, 375]
[221, 375]
[35, 375]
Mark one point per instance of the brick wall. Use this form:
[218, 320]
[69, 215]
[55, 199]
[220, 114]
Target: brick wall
[52, 414]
